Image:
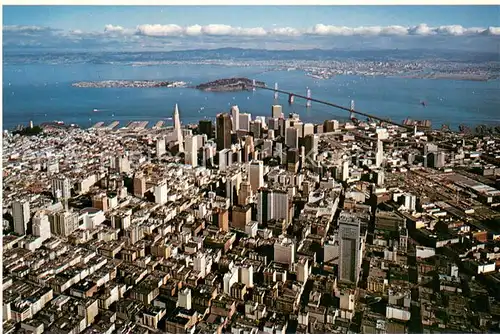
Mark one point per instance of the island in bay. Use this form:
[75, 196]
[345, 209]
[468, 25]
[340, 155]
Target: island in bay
[128, 84]
[220, 85]
[229, 85]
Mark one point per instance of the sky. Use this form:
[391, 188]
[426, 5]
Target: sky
[165, 28]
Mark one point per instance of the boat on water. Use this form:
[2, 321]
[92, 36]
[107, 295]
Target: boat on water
[95, 110]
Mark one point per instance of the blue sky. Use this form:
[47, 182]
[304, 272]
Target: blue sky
[182, 27]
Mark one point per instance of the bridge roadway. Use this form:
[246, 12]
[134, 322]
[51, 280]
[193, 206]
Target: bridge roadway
[335, 106]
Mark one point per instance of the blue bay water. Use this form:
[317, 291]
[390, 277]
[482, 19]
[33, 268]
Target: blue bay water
[42, 92]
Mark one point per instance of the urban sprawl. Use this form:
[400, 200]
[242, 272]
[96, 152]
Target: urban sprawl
[250, 225]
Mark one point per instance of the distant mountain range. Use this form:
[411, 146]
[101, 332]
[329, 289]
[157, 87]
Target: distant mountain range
[12, 56]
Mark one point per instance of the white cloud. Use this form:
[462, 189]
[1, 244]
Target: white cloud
[112, 28]
[25, 29]
[493, 31]
[394, 30]
[287, 31]
[195, 30]
[421, 29]
[157, 30]
[217, 30]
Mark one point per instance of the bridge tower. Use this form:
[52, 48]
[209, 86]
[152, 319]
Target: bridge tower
[352, 108]
[290, 98]
[253, 85]
[275, 88]
[308, 102]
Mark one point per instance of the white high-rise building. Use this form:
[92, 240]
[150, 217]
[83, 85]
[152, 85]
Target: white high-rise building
[267, 148]
[256, 174]
[246, 275]
[233, 183]
[229, 279]
[191, 154]
[345, 170]
[41, 225]
[185, 298]
[122, 164]
[161, 193]
[200, 264]
[292, 138]
[284, 250]
[160, 146]
[300, 128]
[225, 159]
[61, 188]
[277, 111]
[177, 129]
[409, 201]
[21, 215]
[379, 155]
[308, 129]
[235, 117]
[245, 120]
[302, 269]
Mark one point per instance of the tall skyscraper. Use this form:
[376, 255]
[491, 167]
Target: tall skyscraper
[233, 183]
[191, 154]
[200, 264]
[264, 205]
[161, 193]
[63, 223]
[379, 155]
[272, 204]
[61, 188]
[246, 274]
[345, 170]
[245, 193]
[235, 117]
[330, 125]
[245, 122]
[178, 129]
[284, 250]
[139, 185]
[221, 218]
[41, 225]
[248, 149]
[302, 269]
[300, 128]
[21, 215]
[122, 164]
[185, 298]
[256, 174]
[308, 129]
[205, 127]
[277, 111]
[224, 127]
[160, 146]
[225, 159]
[311, 143]
[291, 138]
[349, 234]
[256, 128]
[267, 148]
